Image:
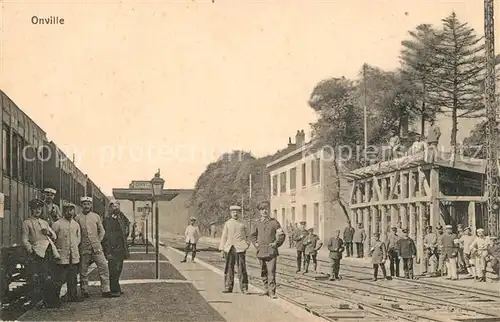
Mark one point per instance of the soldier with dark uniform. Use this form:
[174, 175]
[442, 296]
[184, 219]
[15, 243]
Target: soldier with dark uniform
[407, 252]
[267, 237]
[115, 247]
[298, 237]
[348, 235]
[312, 245]
[336, 247]
[51, 211]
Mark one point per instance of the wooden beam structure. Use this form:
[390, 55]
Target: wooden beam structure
[409, 190]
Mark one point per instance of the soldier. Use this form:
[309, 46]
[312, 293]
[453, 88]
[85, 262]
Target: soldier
[68, 238]
[115, 247]
[433, 135]
[235, 244]
[391, 245]
[348, 234]
[267, 237]
[336, 247]
[312, 245]
[299, 236]
[51, 211]
[407, 252]
[42, 254]
[91, 248]
[439, 252]
[290, 232]
[359, 239]
[461, 258]
[479, 248]
[379, 256]
[450, 252]
[191, 235]
[466, 241]
[430, 248]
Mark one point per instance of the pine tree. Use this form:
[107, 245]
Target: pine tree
[459, 76]
[418, 67]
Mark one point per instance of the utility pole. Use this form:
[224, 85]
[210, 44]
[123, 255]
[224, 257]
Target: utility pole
[491, 125]
[365, 116]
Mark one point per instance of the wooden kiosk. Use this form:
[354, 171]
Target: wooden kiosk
[416, 192]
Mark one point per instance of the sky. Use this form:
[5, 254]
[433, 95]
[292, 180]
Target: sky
[130, 87]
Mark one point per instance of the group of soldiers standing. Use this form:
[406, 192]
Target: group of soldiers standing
[61, 243]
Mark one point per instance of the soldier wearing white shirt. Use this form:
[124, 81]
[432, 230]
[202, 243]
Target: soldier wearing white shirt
[234, 244]
[479, 248]
[192, 235]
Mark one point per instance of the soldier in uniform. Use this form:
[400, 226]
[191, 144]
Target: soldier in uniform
[479, 248]
[68, 238]
[407, 252]
[312, 245]
[290, 232]
[51, 211]
[392, 253]
[359, 239]
[430, 248]
[37, 239]
[379, 256]
[450, 252]
[91, 248]
[191, 235]
[267, 237]
[348, 234]
[299, 236]
[235, 244]
[439, 253]
[336, 247]
[466, 241]
[115, 247]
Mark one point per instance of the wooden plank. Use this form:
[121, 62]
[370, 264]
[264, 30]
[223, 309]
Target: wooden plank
[391, 202]
[434, 193]
[462, 198]
[376, 188]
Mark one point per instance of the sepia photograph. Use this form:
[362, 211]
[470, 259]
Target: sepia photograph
[258, 160]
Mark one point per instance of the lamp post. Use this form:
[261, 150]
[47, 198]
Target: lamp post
[157, 184]
[145, 212]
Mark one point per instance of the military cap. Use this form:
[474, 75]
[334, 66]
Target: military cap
[376, 235]
[84, 199]
[439, 228]
[35, 203]
[405, 230]
[394, 228]
[448, 227]
[467, 228]
[68, 205]
[113, 201]
[50, 190]
[428, 227]
[234, 207]
[302, 222]
[263, 205]
[480, 230]
[310, 228]
[192, 219]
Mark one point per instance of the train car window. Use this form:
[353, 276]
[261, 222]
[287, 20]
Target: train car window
[15, 156]
[6, 150]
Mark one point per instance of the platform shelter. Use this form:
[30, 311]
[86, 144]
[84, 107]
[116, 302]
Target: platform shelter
[418, 192]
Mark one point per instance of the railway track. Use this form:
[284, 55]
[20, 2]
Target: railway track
[356, 297]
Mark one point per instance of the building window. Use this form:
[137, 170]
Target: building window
[275, 185]
[304, 213]
[293, 178]
[304, 181]
[275, 214]
[315, 170]
[316, 217]
[283, 182]
[283, 217]
[293, 215]
[6, 151]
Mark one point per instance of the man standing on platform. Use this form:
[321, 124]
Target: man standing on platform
[91, 248]
[479, 248]
[267, 237]
[392, 252]
[430, 248]
[51, 212]
[465, 243]
[299, 236]
[234, 243]
[68, 238]
[191, 235]
[439, 253]
[407, 252]
[336, 247]
[433, 135]
[359, 238]
[348, 234]
[115, 246]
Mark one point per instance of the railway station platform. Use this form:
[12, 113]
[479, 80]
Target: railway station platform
[492, 285]
[184, 292]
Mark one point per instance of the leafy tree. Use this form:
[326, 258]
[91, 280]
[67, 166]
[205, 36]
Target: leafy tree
[418, 66]
[459, 75]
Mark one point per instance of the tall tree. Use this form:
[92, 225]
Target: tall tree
[418, 66]
[459, 76]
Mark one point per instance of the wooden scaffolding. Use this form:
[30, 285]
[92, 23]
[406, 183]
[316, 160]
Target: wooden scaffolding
[418, 193]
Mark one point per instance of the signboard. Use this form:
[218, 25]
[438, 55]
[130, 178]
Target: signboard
[143, 185]
[2, 199]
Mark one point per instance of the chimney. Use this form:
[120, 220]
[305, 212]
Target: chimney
[303, 136]
[290, 144]
[298, 139]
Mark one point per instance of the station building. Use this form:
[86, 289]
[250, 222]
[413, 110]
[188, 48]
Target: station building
[304, 187]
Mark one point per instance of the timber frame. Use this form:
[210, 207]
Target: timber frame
[410, 190]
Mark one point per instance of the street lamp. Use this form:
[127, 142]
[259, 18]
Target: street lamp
[145, 212]
[157, 185]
